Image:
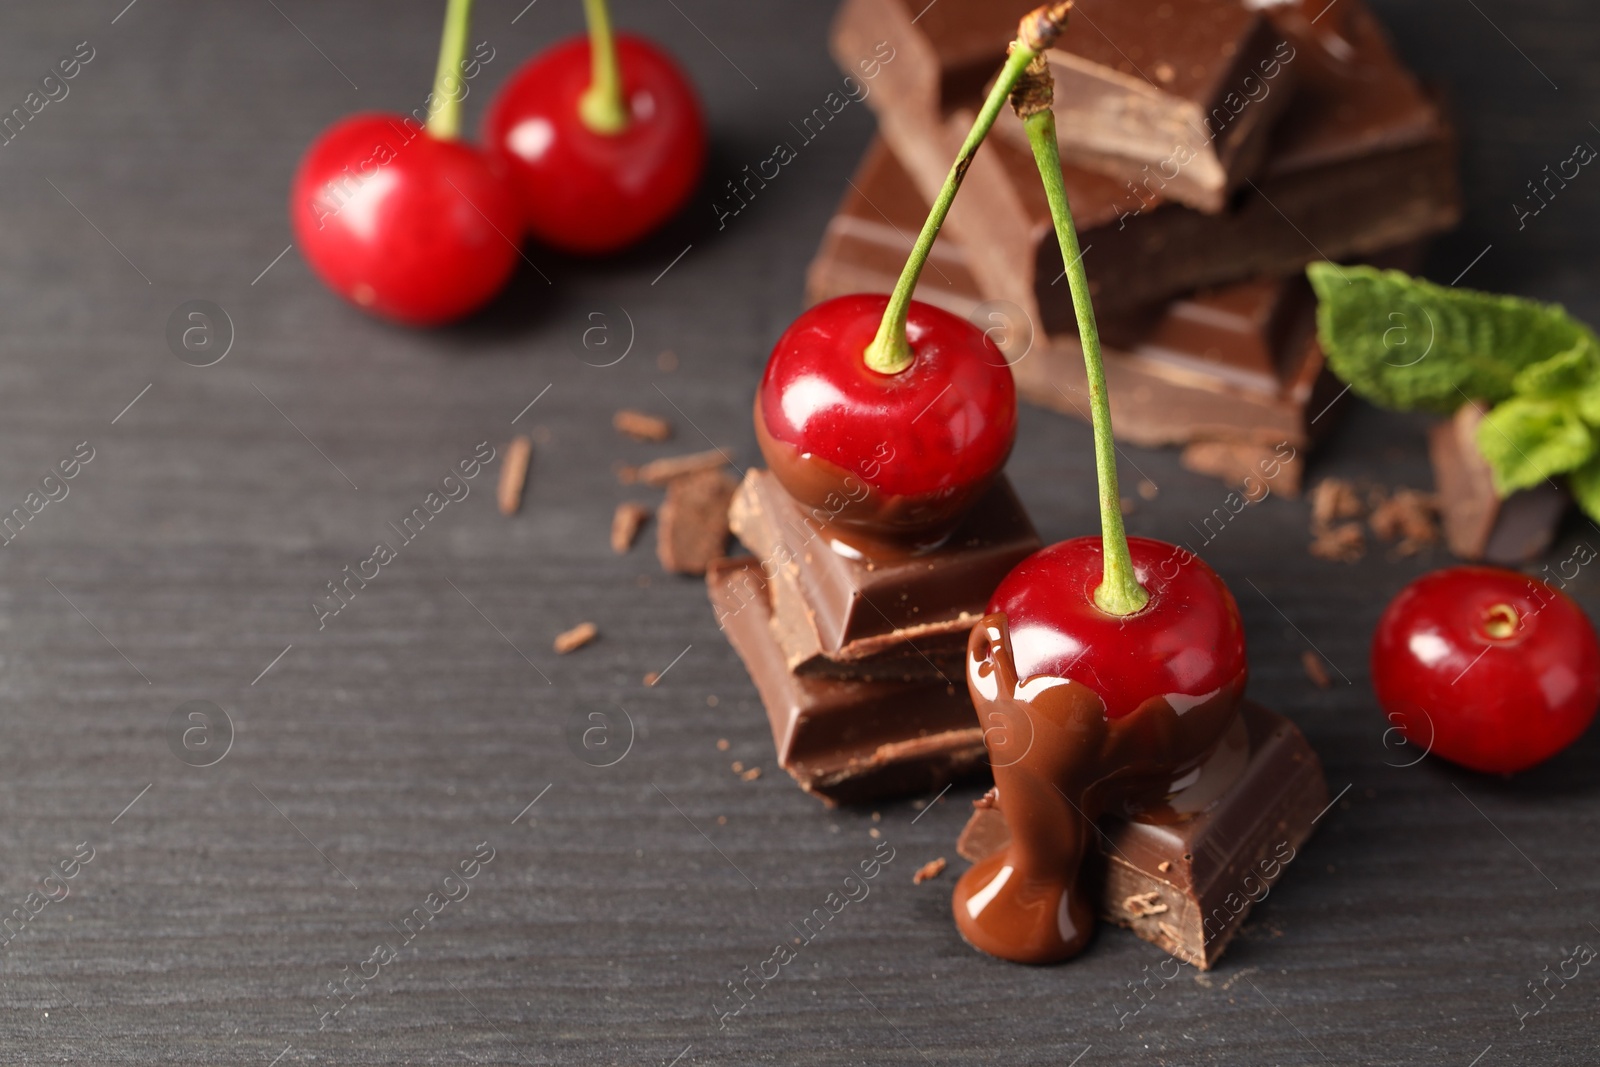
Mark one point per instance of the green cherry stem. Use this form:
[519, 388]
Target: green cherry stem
[444, 123]
[890, 351]
[1119, 592]
[601, 107]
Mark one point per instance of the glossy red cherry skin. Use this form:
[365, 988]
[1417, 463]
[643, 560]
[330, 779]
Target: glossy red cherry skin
[1486, 667]
[591, 192]
[1186, 644]
[924, 443]
[404, 225]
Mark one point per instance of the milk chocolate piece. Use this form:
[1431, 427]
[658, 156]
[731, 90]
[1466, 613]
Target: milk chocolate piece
[1352, 169]
[1238, 364]
[1182, 97]
[1188, 885]
[1478, 522]
[903, 617]
[845, 741]
[693, 528]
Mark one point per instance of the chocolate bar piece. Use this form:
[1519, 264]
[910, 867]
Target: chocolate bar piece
[1238, 364]
[845, 741]
[902, 618]
[1185, 879]
[1350, 172]
[1478, 522]
[1186, 97]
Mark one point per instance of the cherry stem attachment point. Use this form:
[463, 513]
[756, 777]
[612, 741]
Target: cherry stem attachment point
[1119, 592]
[601, 107]
[444, 117]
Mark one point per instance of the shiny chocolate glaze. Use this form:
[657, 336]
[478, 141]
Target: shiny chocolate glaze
[865, 522]
[1060, 764]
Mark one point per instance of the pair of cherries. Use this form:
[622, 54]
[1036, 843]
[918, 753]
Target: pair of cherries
[589, 147]
[1119, 659]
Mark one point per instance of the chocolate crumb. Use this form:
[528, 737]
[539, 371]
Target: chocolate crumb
[693, 525]
[514, 474]
[722, 744]
[1334, 500]
[722, 820]
[1340, 544]
[1409, 516]
[874, 833]
[651, 678]
[1148, 489]
[877, 817]
[738, 766]
[660, 472]
[575, 638]
[625, 524]
[1142, 904]
[1315, 670]
[711, 701]
[752, 774]
[641, 426]
[1128, 505]
[928, 871]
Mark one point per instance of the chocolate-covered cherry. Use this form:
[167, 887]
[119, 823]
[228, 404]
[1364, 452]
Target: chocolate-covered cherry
[404, 221]
[1084, 710]
[1488, 668]
[900, 455]
[604, 138]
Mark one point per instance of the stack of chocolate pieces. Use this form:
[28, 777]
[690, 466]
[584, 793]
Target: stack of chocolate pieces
[1213, 148]
[860, 662]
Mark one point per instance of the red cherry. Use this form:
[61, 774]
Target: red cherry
[925, 443]
[1082, 709]
[403, 224]
[1486, 667]
[592, 192]
[1186, 644]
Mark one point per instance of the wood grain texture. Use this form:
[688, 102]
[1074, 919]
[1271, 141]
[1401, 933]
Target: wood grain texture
[379, 751]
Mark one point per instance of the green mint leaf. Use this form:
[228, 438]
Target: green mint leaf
[1406, 343]
[1529, 439]
[1563, 374]
[1585, 485]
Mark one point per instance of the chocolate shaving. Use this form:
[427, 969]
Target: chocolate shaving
[575, 638]
[625, 525]
[693, 526]
[1341, 544]
[931, 869]
[514, 474]
[1409, 516]
[1334, 500]
[659, 472]
[751, 775]
[1315, 670]
[640, 426]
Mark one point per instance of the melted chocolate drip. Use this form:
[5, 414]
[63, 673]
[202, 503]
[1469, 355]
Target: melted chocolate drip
[1059, 765]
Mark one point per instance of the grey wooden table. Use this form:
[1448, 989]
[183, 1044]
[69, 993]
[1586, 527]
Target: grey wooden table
[353, 768]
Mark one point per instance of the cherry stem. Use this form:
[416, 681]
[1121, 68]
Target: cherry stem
[601, 107]
[1501, 621]
[1119, 592]
[444, 121]
[890, 350]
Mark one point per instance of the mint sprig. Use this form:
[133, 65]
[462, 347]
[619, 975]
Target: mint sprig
[1406, 343]
[1409, 344]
